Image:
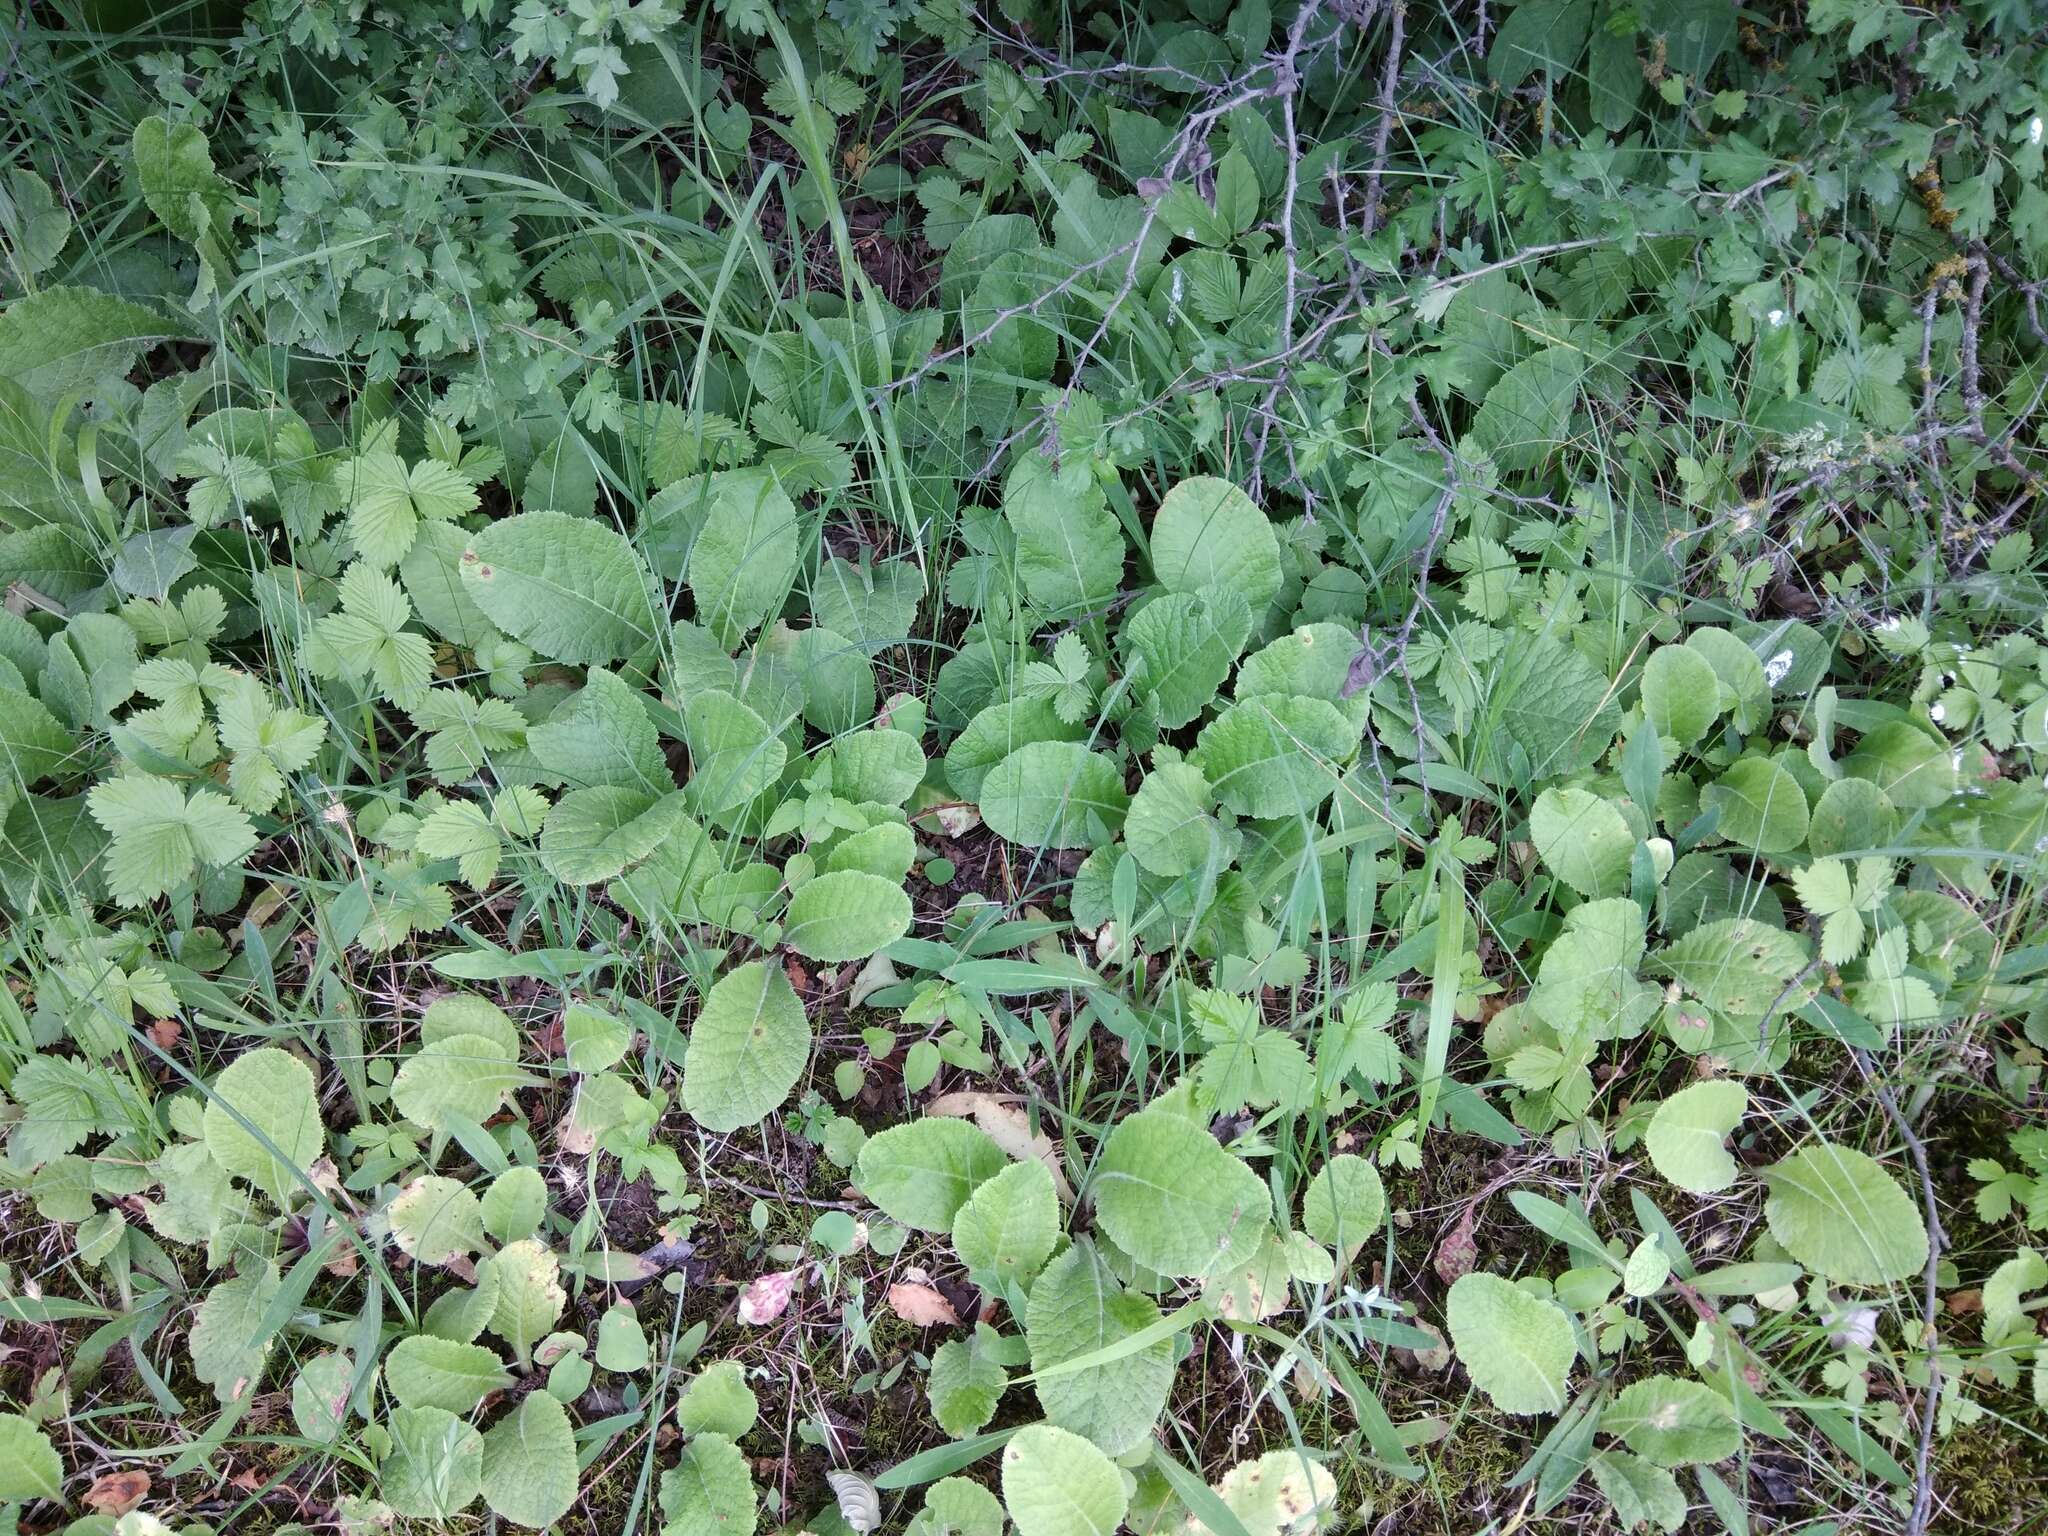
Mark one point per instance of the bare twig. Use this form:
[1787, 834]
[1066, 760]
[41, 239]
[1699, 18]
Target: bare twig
[1390, 77]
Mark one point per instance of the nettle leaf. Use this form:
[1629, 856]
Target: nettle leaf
[922, 1172]
[1077, 1308]
[1208, 535]
[845, 915]
[1584, 839]
[709, 1491]
[266, 1095]
[1054, 794]
[1762, 806]
[1685, 1135]
[1057, 1484]
[1344, 1203]
[29, 1468]
[748, 1047]
[1276, 755]
[1010, 1223]
[1517, 1347]
[719, 1401]
[1174, 1199]
[428, 1372]
[1839, 1213]
[1672, 1422]
[569, 587]
[966, 1382]
[436, 1466]
[437, 1220]
[529, 1467]
[161, 836]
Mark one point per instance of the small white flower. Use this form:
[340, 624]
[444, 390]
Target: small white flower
[1776, 317]
[1938, 713]
[1778, 668]
[1891, 625]
[1955, 760]
[2034, 129]
[2041, 845]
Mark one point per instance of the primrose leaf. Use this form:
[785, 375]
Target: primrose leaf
[748, 1047]
[1054, 794]
[1077, 1309]
[965, 1383]
[1584, 840]
[1010, 1223]
[229, 1342]
[569, 587]
[1057, 1484]
[1276, 755]
[58, 341]
[745, 556]
[1282, 1493]
[1070, 548]
[1762, 806]
[1181, 647]
[923, 1171]
[1174, 1199]
[1681, 694]
[437, 1220]
[29, 1468]
[600, 832]
[1641, 1493]
[719, 1401]
[428, 1372]
[1344, 1203]
[845, 915]
[1208, 535]
[266, 1095]
[530, 1295]
[1685, 1135]
[457, 1077]
[436, 1466]
[1672, 1422]
[529, 1470]
[1517, 1348]
[1839, 1213]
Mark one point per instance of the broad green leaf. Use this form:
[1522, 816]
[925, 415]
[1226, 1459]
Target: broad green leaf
[1174, 1199]
[733, 753]
[1527, 414]
[266, 1095]
[1057, 1484]
[1745, 691]
[709, 1492]
[922, 1172]
[953, 1506]
[1839, 1213]
[597, 833]
[529, 1469]
[1171, 827]
[1681, 695]
[1642, 1494]
[1672, 1422]
[453, 1079]
[320, 1395]
[33, 742]
[1181, 646]
[29, 1468]
[1078, 1308]
[1282, 1493]
[428, 1372]
[436, 1219]
[719, 1401]
[966, 1383]
[1584, 839]
[879, 767]
[1915, 771]
[230, 1341]
[1208, 535]
[1851, 816]
[1762, 807]
[1054, 794]
[174, 170]
[602, 734]
[436, 1466]
[1517, 1348]
[1344, 1203]
[1009, 1224]
[1554, 704]
[1737, 966]
[530, 1295]
[996, 732]
[515, 1204]
[1276, 755]
[58, 341]
[845, 915]
[1070, 547]
[1685, 1135]
[569, 587]
[748, 1047]
[744, 557]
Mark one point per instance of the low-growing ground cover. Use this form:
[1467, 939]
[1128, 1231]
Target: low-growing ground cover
[1236, 768]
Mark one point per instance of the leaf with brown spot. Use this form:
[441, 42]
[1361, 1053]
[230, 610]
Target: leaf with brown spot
[921, 1305]
[117, 1493]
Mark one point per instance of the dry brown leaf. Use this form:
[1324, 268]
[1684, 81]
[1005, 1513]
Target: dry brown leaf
[165, 1033]
[1458, 1255]
[118, 1492]
[922, 1305]
[1009, 1127]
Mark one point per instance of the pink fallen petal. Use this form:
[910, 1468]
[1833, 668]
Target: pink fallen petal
[766, 1297]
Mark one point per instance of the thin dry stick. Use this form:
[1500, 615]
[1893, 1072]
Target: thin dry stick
[1390, 77]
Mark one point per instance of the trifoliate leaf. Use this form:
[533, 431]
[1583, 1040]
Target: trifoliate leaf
[387, 502]
[161, 836]
[29, 1468]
